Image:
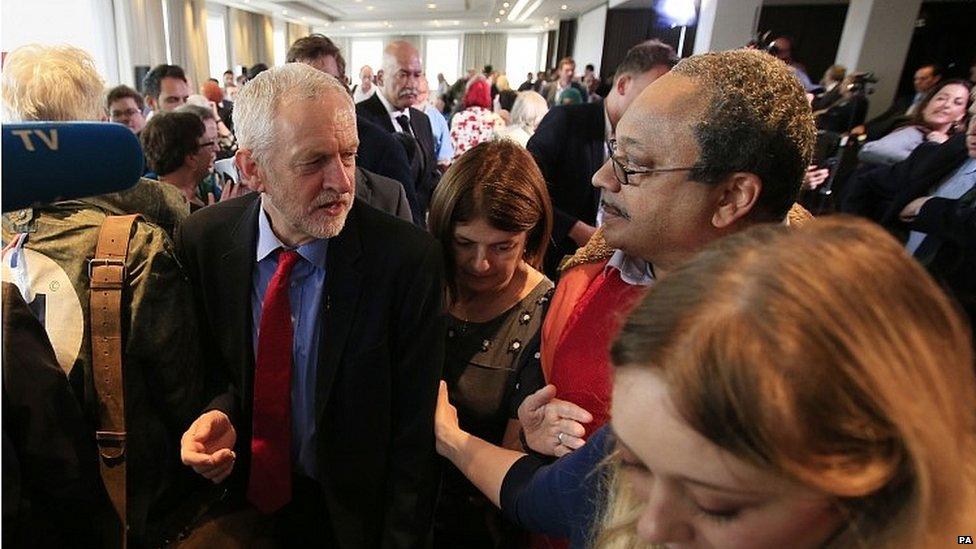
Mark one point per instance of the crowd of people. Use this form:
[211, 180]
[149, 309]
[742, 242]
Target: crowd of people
[580, 313]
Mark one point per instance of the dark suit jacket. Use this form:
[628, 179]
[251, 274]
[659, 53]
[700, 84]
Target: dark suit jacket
[384, 194]
[372, 109]
[569, 146]
[380, 153]
[883, 193]
[380, 361]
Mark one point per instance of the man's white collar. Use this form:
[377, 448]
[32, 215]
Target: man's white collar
[633, 271]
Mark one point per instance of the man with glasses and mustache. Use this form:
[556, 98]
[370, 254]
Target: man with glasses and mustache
[570, 146]
[326, 332]
[392, 109]
[717, 144]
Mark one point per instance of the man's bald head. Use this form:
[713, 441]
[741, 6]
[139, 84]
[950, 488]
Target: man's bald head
[401, 63]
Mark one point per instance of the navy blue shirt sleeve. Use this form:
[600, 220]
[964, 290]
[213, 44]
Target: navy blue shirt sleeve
[558, 499]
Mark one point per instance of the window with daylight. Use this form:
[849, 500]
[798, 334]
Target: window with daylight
[280, 42]
[443, 55]
[521, 57]
[217, 43]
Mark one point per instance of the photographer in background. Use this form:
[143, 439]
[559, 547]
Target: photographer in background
[849, 105]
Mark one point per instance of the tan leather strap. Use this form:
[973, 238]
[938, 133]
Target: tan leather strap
[107, 274]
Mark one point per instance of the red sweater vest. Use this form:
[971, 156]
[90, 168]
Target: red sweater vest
[581, 364]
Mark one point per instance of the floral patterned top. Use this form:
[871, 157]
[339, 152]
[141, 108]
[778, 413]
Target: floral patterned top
[472, 126]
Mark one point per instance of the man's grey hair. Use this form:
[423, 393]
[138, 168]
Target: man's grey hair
[202, 112]
[257, 102]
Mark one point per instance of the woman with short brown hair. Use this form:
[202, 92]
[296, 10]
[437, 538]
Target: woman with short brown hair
[492, 215]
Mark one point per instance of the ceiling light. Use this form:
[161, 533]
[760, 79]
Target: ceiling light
[530, 10]
[432, 6]
[498, 20]
[484, 23]
[501, 12]
[563, 7]
[505, 5]
[343, 27]
[517, 8]
[369, 8]
[284, 12]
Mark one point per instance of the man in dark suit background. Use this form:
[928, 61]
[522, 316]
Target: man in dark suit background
[392, 109]
[326, 332]
[570, 145]
[378, 151]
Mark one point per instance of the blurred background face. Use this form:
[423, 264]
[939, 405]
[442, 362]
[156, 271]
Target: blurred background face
[366, 77]
[485, 258]
[693, 493]
[924, 79]
[947, 107]
[126, 111]
[566, 72]
[173, 93]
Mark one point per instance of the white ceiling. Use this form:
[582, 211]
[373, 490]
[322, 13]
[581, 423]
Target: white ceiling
[345, 17]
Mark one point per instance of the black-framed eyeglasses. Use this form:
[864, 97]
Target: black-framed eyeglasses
[623, 173]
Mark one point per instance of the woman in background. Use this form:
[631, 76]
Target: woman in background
[529, 109]
[492, 215]
[941, 114]
[476, 123]
[802, 387]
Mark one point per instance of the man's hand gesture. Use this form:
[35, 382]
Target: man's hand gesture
[208, 446]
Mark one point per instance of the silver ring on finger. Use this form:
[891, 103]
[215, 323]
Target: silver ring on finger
[559, 437]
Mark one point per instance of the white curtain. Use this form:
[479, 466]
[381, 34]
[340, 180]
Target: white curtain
[140, 36]
[251, 38]
[294, 32]
[188, 39]
[485, 49]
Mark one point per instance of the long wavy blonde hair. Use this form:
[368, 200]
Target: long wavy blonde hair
[826, 355]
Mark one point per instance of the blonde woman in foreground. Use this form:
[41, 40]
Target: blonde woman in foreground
[786, 388]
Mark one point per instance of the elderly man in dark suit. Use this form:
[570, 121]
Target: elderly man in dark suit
[325, 326]
[378, 151]
[570, 145]
[392, 109]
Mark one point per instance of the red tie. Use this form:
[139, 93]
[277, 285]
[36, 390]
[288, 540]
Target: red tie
[270, 484]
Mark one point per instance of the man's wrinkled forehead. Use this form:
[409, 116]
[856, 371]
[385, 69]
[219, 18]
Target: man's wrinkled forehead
[334, 103]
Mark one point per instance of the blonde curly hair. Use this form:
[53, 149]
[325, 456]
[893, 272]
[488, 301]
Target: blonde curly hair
[51, 83]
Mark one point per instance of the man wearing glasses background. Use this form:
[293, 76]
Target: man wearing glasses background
[717, 144]
[125, 107]
[570, 146]
[180, 151]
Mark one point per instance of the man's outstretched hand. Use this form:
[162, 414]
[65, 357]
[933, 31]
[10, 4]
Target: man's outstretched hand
[208, 446]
